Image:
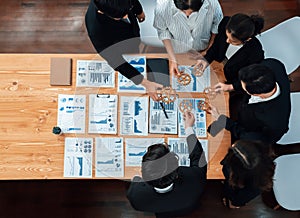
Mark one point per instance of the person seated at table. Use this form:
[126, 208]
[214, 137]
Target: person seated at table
[165, 188]
[248, 169]
[186, 24]
[265, 110]
[236, 46]
[113, 29]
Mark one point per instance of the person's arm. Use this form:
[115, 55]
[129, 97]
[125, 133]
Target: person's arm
[138, 11]
[197, 156]
[172, 58]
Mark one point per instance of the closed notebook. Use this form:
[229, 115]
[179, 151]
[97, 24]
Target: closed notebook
[60, 71]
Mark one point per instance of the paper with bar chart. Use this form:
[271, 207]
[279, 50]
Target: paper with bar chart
[134, 115]
[180, 147]
[94, 73]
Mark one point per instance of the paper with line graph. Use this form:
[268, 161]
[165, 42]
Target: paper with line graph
[109, 157]
[136, 148]
[78, 157]
[94, 73]
[103, 113]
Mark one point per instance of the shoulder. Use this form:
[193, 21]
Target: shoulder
[162, 5]
[212, 3]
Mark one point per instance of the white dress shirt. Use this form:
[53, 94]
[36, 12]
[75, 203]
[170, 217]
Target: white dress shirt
[191, 32]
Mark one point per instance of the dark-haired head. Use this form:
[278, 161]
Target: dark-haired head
[257, 79]
[159, 166]
[250, 162]
[114, 8]
[244, 27]
[194, 5]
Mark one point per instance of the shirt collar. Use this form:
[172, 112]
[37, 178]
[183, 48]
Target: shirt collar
[164, 190]
[257, 99]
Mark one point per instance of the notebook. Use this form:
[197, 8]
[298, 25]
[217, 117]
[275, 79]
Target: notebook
[60, 71]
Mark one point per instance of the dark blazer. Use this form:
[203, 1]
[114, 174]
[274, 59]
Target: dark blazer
[186, 191]
[112, 38]
[267, 121]
[250, 53]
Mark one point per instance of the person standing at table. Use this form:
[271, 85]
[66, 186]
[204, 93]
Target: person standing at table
[248, 169]
[183, 25]
[165, 188]
[265, 110]
[236, 46]
[113, 29]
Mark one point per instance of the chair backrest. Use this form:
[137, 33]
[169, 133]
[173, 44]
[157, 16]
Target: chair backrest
[286, 181]
[283, 43]
[293, 134]
[148, 32]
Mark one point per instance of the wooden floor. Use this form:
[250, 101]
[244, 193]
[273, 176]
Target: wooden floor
[53, 26]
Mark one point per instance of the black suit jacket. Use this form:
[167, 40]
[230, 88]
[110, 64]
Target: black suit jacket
[267, 121]
[186, 191]
[112, 38]
[250, 53]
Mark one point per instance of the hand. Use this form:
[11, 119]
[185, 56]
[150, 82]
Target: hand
[174, 68]
[223, 87]
[213, 111]
[201, 64]
[151, 88]
[141, 17]
[189, 119]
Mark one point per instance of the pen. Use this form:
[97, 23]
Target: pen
[164, 110]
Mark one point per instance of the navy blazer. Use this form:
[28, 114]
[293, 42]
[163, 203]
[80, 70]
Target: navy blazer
[186, 191]
[111, 38]
[251, 53]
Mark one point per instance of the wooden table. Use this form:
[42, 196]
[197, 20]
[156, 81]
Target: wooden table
[28, 148]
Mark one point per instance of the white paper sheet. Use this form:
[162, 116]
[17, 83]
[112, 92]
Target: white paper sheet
[197, 84]
[200, 118]
[134, 115]
[109, 158]
[103, 113]
[136, 148]
[94, 73]
[71, 113]
[126, 85]
[180, 147]
[78, 157]
[158, 122]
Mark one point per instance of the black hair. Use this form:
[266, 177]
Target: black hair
[258, 78]
[159, 166]
[114, 8]
[195, 5]
[250, 162]
[243, 27]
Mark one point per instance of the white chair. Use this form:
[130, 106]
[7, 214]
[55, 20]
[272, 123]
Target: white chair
[148, 32]
[286, 181]
[283, 43]
[293, 134]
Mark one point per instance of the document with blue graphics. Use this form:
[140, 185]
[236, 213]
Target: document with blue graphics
[136, 148]
[94, 73]
[200, 117]
[71, 113]
[103, 113]
[78, 157]
[134, 115]
[125, 84]
[197, 84]
[109, 157]
[180, 147]
[163, 121]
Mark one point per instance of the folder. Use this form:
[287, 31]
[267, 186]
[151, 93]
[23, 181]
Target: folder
[158, 70]
[60, 71]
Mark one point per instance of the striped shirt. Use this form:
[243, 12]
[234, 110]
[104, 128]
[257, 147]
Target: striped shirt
[191, 32]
